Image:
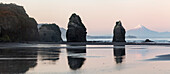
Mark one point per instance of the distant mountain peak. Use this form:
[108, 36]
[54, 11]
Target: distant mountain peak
[141, 31]
[139, 26]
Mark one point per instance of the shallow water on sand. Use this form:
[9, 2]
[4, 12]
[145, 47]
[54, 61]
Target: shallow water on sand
[89, 59]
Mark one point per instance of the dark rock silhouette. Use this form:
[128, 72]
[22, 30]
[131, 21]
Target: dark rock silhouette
[50, 33]
[16, 24]
[147, 40]
[76, 30]
[19, 60]
[0, 31]
[119, 53]
[76, 62]
[119, 32]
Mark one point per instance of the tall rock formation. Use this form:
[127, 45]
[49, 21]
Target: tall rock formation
[76, 30]
[16, 25]
[50, 33]
[119, 32]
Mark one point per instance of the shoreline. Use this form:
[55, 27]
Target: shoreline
[75, 45]
[102, 43]
[89, 43]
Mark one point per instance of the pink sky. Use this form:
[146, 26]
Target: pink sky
[99, 16]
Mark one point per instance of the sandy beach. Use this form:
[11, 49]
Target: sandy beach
[90, 58]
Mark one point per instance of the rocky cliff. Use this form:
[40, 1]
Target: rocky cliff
[76, 30]
[119, 32]
[16, 25]
[50, 33]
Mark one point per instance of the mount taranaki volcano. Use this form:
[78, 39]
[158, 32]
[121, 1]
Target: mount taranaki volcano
[141, 31]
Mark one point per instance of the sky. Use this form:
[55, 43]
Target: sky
[100, 16]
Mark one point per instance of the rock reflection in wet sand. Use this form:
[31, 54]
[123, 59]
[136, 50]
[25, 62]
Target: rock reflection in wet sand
[119, 53]
[50, 54]
[17, 60]
[88, 60]
[76, 62]
[21, 60]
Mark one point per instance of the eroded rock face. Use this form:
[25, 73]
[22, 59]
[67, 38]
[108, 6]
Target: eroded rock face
[76, 30]
[50, 33]
[119, 32]
[16, 24]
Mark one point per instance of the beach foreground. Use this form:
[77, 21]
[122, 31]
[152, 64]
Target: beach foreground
[84, 59]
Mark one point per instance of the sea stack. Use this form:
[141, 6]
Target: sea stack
[119, 32]
[16, 25]
[50, 33]
[76, 31]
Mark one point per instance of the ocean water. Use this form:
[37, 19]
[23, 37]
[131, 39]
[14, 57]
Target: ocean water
[88, 59]
[158, 40]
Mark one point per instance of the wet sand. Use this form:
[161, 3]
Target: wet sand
[53, 44]
[84, 59]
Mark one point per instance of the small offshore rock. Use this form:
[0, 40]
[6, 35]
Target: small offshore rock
[147, 40]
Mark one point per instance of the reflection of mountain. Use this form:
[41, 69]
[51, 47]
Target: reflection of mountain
[119, 53]
[75, 62]
[141, 31]
[17, 60]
